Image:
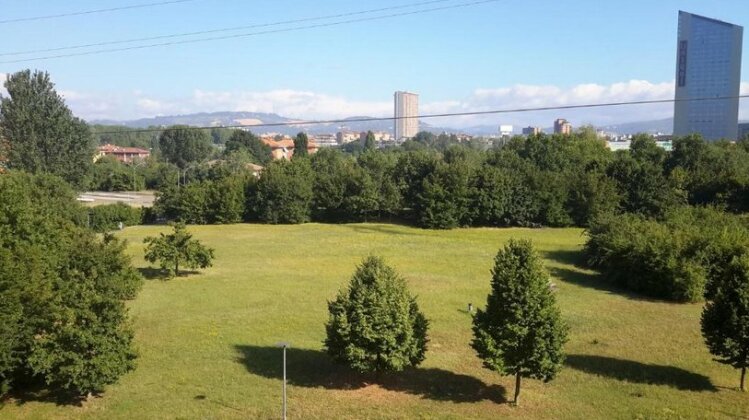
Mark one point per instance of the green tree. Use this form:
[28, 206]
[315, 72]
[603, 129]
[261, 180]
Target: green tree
[301, 142]
[177, 248]
[283, 194]
[520, 332]
[375, 325]
[42, 134]
[181, 145]
[369, 141]
[245, 140]
[63, 320]
[725, 318]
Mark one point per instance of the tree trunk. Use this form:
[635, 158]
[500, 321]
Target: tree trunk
[517, 389]
[176, 267]
[743, 376]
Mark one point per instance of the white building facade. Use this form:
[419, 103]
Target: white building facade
[406, 111]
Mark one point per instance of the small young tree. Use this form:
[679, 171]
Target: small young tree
[520, 332]
[177, 248]
[375, 325]
[725, 318]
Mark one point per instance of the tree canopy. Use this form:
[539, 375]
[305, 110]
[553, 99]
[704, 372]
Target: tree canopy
[43, 135]
[181, 145]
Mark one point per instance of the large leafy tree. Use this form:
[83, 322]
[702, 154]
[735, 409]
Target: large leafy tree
[176, 248]
[301, 142]
[520, 332]
[725, 318]
[182, 146]
[63, 320]
[375, 325]
[43, 135]
[283, 194]
[241, 140]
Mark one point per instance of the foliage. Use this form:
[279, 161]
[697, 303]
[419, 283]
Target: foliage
[284, 194]
[369, 141]
[183, 146]
[63, 318]
[246, 141]
[177, 248]
[375, 325]
[301, 142]
[126, 136]
[725, 318]
[43, 134]
[520, 332]
[109, 174]
[108, 217]
[668, 260]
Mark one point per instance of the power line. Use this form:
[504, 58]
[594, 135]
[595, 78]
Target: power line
[90, 12]
[442, 115]
[273, 31]
[218, 30]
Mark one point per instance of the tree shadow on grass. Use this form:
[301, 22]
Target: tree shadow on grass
[566, 256]
[641, 373]
[387, 229]
[314, 369]
[36, 391]
[150, 273]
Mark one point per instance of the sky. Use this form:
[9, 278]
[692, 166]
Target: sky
[500, 54]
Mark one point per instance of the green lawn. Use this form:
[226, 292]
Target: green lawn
[207, 341]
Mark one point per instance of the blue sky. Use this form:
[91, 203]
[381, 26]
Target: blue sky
[501, 54]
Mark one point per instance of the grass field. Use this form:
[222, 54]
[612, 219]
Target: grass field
[207, 341]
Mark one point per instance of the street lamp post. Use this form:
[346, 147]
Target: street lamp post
[284, 346]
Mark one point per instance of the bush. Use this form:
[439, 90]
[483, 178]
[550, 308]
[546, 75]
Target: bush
[667, 260]
[375, 325]
[108, 217]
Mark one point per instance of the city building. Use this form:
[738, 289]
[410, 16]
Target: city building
[708, 65]
[531, 131]
[123, 154]
[562, 126]
[379, 136]
[344, 137]
[284, 148]
[743, 131]
[406, 111]
[505, 130]
[325, 140]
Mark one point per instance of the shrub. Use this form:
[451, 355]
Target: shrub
[108, 217]
[375, 325]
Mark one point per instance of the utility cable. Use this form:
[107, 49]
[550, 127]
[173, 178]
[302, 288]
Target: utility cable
[273, 31]
[90, 12]
[218, 30]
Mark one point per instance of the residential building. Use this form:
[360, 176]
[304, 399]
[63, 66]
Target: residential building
[743, 131]
[406, 113]
[284, 148]
[324, 140]
[531, 131]
[562, 126]
[123, 154]
[708, 65]
[379, 136]
[344, 137]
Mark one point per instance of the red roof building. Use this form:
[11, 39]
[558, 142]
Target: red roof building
[123, 154]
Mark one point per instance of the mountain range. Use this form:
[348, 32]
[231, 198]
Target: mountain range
[222, 119]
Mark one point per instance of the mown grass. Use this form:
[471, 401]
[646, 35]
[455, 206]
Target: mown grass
[207, 341]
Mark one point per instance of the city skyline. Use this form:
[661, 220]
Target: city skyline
[349, 70]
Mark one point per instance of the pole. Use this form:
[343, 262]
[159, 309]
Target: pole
[284, 382]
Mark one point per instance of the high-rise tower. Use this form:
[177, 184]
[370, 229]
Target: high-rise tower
[708, 65]
[406, 111]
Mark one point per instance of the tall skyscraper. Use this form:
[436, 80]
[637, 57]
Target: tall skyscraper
[708, 65]
[406, 108]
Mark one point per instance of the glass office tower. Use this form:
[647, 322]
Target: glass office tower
[708, 65]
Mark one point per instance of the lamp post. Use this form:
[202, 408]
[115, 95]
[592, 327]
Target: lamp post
[284, 346]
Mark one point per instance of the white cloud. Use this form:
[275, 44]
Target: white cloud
[315, 105]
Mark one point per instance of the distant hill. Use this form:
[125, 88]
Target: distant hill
[220, 119]
[665, 126]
